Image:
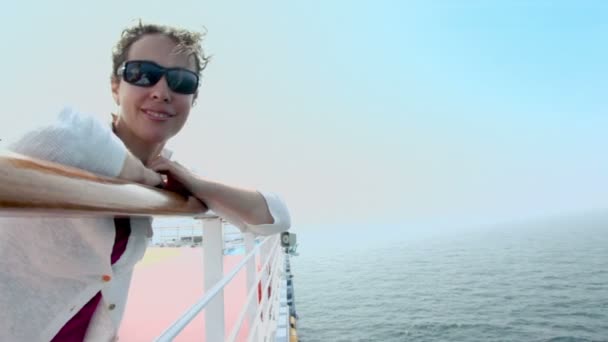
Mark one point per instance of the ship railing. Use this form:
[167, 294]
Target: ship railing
[31, 187]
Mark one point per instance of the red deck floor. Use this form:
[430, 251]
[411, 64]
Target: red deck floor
[165, 284]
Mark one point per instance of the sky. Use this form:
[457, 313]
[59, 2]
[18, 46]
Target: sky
[356, 112]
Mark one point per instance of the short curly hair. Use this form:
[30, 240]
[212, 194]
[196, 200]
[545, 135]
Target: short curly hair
[188, 42]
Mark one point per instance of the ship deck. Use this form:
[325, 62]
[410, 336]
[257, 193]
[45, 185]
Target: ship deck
[165, 284]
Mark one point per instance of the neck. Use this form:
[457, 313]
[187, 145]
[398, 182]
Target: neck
[143, 150]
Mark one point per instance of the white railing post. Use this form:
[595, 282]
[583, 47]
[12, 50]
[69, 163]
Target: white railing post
[264, 252]
[213, 263]
[266, 282]
[264, 308]
[251, 275]
[274, 281]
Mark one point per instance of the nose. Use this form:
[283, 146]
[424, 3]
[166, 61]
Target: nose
[160, 91]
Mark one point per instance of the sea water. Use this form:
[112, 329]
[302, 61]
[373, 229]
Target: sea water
[537, 281]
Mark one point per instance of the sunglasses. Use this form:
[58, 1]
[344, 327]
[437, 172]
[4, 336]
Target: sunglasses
[147, 74]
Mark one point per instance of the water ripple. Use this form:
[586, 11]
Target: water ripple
[521, 285]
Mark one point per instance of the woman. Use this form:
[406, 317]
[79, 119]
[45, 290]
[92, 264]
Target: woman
[67, 279]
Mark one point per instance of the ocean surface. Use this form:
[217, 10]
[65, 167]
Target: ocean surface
[537, 281]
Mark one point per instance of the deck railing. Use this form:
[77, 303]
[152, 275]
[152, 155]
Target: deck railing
[34, 187]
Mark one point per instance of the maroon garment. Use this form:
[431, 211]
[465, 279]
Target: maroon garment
[123, 230]
[75, 329]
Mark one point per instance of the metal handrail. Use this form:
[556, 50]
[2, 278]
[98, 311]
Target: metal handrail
[251, 293]
[30, 186]
[275, 275]
[194, 310]
[265, 298]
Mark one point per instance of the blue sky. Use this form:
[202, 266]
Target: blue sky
[358, 112]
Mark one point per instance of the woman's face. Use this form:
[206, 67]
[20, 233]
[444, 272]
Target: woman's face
[154, 114]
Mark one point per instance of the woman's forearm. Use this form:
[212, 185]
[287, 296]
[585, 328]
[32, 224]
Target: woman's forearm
[247, 205]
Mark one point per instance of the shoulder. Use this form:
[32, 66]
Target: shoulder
[63, 130]
[73, 138]
[68, 122]
[76, 121]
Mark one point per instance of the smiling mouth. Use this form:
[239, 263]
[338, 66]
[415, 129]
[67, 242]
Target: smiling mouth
[157, 116]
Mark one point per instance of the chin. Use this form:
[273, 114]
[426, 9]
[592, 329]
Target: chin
[155, 138]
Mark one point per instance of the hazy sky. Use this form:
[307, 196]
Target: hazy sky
[356, 112]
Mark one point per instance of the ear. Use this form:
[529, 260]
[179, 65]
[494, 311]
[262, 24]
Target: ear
[115, 84]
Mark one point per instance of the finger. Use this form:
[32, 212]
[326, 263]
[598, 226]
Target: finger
[152, 178]
[157, 160]
[160, 165]
[154, 161]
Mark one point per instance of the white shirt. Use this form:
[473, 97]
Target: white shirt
[51, 267]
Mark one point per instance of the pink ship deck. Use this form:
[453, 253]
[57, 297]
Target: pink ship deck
[165, 284]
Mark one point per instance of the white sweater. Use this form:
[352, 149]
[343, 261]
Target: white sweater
[51, 267]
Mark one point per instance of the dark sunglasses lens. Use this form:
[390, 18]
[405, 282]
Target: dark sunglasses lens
[142, 74]
[182, 81]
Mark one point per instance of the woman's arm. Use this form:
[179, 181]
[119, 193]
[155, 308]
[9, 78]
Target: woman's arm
[248, 205]
[250, 210]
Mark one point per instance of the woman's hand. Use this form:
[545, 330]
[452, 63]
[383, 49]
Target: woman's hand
[179, 179]
[134, 170]
[245, 205]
